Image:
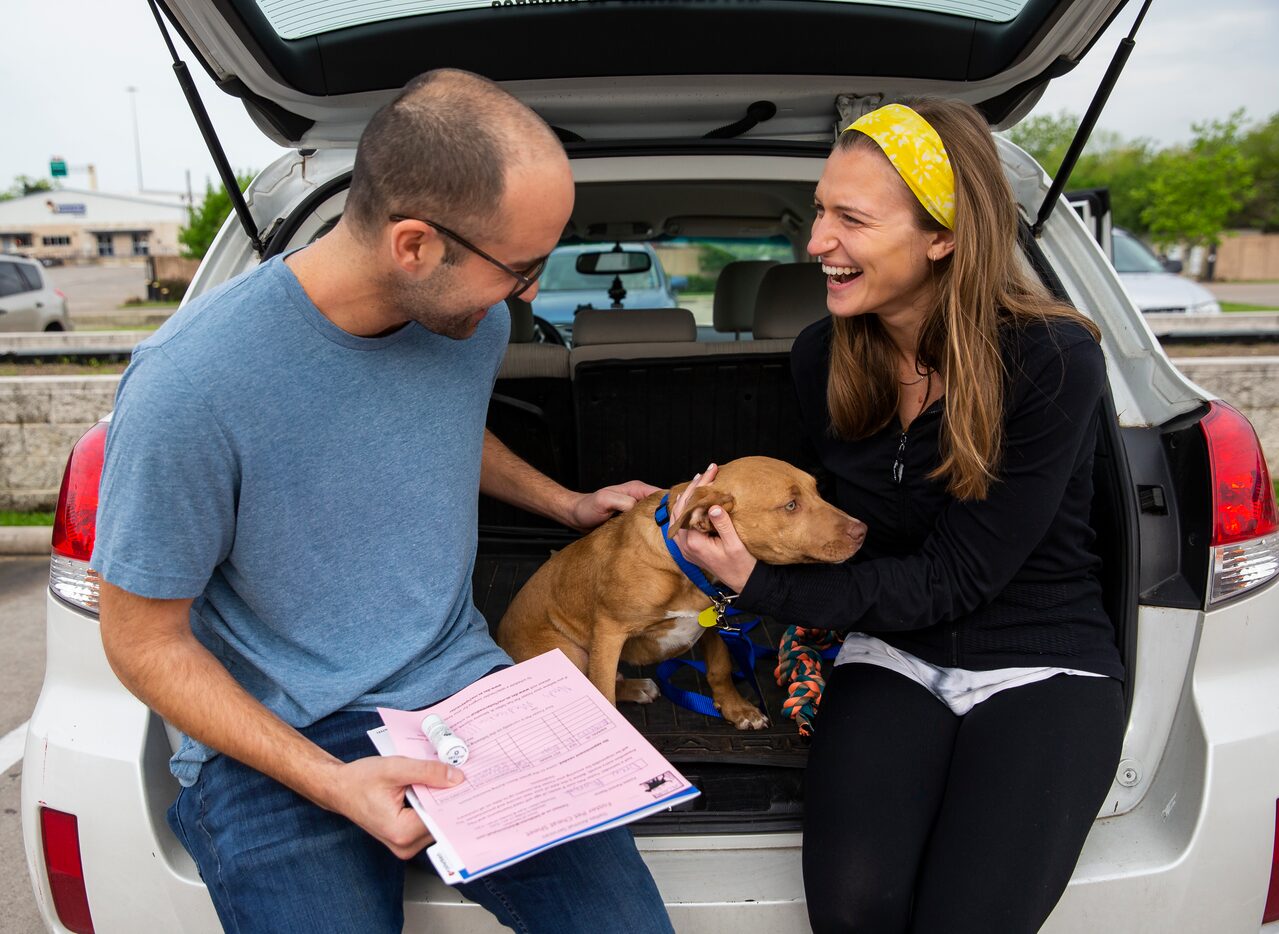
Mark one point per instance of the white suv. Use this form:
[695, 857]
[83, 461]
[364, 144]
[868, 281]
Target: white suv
[729, 137]
[27, 301]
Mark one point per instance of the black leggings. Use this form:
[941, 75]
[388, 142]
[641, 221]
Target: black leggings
[918, 820]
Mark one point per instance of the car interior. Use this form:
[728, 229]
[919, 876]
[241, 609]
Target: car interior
[643, 393]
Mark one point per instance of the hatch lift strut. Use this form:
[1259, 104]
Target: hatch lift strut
[1086, 125]
[201, 115]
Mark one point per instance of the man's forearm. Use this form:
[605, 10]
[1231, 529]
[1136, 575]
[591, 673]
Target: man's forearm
[167, 668]
[505, 476]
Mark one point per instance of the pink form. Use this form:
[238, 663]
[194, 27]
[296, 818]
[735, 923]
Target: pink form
[550, 759]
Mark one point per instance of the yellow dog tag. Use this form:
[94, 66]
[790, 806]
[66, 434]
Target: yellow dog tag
[708, 617]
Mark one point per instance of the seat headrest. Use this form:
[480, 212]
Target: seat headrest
[522, 329]
[735, 292]
[633, 326]
[791, 297]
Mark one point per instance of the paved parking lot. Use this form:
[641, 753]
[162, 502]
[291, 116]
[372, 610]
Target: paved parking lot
[23, 582]
[98, 290]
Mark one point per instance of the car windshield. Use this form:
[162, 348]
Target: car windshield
[1132, 255]
[561, 275]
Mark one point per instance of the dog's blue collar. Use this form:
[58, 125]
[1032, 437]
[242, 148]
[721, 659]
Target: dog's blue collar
[718, 595]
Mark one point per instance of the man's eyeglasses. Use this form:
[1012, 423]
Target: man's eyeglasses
[523, 279]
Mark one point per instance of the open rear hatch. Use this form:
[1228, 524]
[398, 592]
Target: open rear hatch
[312, 72]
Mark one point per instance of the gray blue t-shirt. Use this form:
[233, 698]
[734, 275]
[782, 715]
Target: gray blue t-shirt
[315, 492]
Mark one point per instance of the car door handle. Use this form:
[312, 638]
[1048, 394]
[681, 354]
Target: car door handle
[39, 304]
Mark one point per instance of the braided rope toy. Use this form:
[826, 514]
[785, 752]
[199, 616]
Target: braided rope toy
[799, 671]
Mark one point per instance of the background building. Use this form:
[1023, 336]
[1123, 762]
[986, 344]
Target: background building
[74, 225]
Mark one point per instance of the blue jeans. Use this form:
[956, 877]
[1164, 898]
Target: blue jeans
[275, 862]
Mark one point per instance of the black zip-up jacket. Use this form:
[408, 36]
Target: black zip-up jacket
[1009, 581]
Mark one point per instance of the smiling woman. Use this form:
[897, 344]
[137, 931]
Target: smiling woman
[956, 405]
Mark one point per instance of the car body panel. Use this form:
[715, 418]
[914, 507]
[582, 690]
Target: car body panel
[1203, 825]
[1167, 292]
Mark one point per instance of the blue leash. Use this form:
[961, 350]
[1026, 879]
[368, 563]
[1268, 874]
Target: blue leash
[741, 647]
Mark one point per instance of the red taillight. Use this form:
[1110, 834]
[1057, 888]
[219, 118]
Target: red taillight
[1245, 543]
[75, 522]
[66, 873]
[1243, 501]
[61, 294]
[1272, 896]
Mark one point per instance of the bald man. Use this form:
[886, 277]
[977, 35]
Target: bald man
[288, 526]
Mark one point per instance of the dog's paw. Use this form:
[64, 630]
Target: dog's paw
[637, 690]
[744, 716]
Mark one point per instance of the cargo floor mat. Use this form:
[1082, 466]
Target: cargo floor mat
[679, 734]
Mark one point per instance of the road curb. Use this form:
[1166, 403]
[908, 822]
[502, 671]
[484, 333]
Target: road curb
[25, 539]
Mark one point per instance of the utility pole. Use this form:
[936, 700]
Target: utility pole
[137, 140]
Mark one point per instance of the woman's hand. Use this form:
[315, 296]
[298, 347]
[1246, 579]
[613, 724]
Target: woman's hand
[721, 553]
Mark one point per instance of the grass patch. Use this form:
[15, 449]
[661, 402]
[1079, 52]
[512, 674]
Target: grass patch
[63, 368]
[141, 306]
[8, 517]
[1244, 306]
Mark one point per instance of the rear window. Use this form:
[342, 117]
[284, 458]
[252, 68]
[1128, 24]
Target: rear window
[298, 19]
[32, 275]
[12, 281]
[561, 275]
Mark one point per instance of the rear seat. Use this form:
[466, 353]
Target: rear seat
[531, 411]
[630, 333]
[638, 396]
[735, 291]
[525, 357]
[653, 404]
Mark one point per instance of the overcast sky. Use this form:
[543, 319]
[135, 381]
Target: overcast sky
[67, 66]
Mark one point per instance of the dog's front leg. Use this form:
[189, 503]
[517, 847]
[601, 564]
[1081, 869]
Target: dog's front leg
[607, 641]
[736, 709]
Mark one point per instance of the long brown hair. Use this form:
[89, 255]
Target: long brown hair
[980, 288]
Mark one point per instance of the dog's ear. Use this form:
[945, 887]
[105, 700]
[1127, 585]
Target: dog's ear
[695, 513]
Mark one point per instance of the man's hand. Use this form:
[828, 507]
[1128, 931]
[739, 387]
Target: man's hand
[370, 793]
[723, 553]
[590, 509]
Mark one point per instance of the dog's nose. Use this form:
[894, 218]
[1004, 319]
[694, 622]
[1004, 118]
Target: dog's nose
[855, 530]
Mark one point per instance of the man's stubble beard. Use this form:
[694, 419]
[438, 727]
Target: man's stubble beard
[438, 304]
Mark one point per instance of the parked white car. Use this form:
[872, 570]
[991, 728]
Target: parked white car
[1184, 511]
[27, 301]
[1152, 285]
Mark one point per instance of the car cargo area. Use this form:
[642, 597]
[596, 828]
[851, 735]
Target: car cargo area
[750, 779]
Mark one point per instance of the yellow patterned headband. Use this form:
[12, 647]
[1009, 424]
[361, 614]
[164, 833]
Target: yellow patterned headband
[918, 155]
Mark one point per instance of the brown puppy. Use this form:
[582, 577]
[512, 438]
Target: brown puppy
[617, 594]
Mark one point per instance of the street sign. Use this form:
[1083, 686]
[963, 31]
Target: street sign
[58, 167]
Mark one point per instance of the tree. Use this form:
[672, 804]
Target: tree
[1261, 145]
[1108, 161]
[1046, 137]
[1195, 189]
[24, 185]
[207, 219]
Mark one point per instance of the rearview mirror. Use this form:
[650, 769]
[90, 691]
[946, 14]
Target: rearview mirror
[613, 263]
[1172, 265]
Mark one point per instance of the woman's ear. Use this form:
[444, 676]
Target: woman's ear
[941, 244]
